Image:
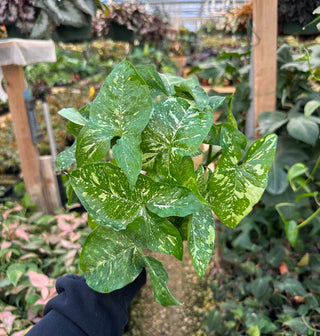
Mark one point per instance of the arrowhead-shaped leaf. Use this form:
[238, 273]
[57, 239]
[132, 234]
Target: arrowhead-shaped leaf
[93, 144]
[104, 191]
[235, 188]
[121, 109]
[303, 129]
[175, 127]
[73, 115]
[156, 234]
[201, 235]
[110, 260]
[66, 158]
[128, 155]
[159, 277]
[152, 79]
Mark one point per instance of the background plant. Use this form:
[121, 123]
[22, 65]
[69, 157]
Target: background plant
[36, 18]
[35, 250]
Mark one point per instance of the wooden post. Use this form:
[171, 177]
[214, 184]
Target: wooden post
[265, 32]
[15, 85]
[50, 183]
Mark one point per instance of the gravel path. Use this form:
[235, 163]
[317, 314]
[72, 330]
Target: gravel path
[148, 318]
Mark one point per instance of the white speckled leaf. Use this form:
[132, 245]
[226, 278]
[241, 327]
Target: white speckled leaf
[110, 260]
[104, 191]
[93, 144]
[123, 102]
[184, 174]
[169, 200]
[159, 277]
[73, 115]
[235, 188]
[175, 127]
[128, 155]
[66, 158]
[152, 79]
[156, 234]
[121, 109]
[201, 235]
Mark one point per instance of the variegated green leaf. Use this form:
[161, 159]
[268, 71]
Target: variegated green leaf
[110, 260]
[201, 235]
[234, 187]
[104, 191]
[93, 143]
[216, 101]
[121, 109]
[196, 93]
[124, 101]
[175, 127]
[128, 155]
[159, 277]
[186, 88]
[184, 174]
[152, 79]
[73, 115]
[157, 234]
[66, 158]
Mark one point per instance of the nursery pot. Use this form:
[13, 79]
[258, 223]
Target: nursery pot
[295, 28]
[121, 33]
[72, 34]
[14, 32]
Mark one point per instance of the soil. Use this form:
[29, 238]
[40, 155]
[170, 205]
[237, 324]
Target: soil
[148, 318]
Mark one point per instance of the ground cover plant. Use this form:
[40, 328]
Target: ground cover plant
[263, 285]
[269, 283]
[132, 169]
[35, 249]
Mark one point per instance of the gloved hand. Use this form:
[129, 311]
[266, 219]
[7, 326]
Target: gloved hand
[78, 310]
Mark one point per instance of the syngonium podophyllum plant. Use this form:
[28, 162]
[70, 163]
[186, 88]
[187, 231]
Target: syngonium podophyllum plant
[131, 167]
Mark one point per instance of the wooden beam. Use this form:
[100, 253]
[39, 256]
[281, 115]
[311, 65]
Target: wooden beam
[265, 32]
[15, 86]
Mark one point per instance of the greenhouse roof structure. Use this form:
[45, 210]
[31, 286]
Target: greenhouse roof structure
[189, 13]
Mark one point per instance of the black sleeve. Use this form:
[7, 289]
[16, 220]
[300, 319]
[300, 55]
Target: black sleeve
[78, 310]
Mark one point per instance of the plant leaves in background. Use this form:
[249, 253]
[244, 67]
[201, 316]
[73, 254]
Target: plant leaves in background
[291, 228]
[304, 130]
[277, 180]
[297, 326]
[269, 122]
[15, 272]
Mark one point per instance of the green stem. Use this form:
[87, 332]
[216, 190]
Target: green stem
[208, 156]
[307, 324]
[305, 222]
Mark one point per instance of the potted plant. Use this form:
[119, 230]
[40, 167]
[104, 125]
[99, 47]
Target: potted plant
[126, 21]
[131, 167]
[37, 19]
[293, 17]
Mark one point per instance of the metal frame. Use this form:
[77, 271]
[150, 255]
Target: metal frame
[191, 12]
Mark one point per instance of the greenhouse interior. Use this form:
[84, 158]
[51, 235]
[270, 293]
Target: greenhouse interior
[159, 167]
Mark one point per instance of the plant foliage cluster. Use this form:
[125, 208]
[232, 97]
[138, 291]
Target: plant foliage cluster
[35, 249]
[36, 18]
[135, 176]
[262, 285]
